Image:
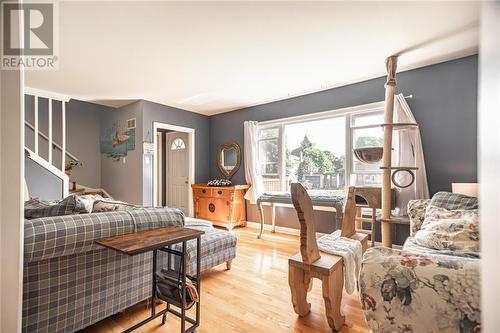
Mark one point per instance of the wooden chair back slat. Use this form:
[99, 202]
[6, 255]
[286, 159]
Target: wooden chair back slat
[303, 205]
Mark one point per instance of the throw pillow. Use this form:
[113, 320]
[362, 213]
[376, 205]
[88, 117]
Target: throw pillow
[35, 208]
[455, 230]
[110, 205]
[453, 201]
[85, 203]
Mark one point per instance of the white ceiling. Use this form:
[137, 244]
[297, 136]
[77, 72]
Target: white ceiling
[211, 57]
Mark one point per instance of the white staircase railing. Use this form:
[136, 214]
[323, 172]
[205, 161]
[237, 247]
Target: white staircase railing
[49, 167]
[35, 155]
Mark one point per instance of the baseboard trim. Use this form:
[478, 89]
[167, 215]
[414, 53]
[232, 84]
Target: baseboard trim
[268, 227]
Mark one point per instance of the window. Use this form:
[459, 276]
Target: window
[269, 158]
[178, 144]
[316, 150]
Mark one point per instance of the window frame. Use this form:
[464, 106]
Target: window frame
[353, 129]
[175, 146]
[348, 113]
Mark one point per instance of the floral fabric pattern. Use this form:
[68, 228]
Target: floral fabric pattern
[455, 230]
[416, 213]
[423, 289]
[411, 246]
[413, 293]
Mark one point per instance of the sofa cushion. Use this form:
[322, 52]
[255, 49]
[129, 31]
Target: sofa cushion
[455, 230]
[452, 201]
[217, 246]
[110, 205]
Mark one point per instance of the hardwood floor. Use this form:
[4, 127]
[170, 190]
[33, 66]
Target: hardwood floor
[252, 297]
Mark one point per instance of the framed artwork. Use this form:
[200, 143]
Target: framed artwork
[118, 140]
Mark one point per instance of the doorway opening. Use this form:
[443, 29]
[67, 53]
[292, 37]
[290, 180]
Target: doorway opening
[173, 163]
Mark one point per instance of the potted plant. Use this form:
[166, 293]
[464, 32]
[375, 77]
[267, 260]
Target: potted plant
[69, 165]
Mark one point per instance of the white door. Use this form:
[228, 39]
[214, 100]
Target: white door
[178, 171]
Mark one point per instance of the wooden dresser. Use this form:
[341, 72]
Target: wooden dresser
[223, 206]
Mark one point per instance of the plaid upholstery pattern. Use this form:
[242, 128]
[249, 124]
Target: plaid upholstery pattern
[217, 247]
[453, 201]
[66, 294]
[35, 208]
[57, 236]
[71, 283]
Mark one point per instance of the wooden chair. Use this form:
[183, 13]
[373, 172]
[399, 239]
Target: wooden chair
[309, 263]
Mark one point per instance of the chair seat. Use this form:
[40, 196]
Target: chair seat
[324, 265]
[328, 262]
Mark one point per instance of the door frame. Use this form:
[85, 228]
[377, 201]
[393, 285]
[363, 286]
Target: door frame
[12, 194]
[191, 148]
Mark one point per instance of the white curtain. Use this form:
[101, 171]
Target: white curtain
[251, 157]
[408, 152]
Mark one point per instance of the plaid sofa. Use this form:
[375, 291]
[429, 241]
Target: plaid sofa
[419, 289]
[70, 282]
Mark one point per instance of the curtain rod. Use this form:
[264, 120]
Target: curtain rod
[409, 96]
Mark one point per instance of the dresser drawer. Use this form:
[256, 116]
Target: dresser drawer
[202, 192]
[221, 192]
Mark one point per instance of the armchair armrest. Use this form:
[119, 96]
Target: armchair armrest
[406, 292]
[416, 213]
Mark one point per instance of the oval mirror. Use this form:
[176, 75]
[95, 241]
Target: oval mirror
[228, 159]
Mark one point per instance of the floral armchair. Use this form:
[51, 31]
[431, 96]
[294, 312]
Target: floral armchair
[419, 289]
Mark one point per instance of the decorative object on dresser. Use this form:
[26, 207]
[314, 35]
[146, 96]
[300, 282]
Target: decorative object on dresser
[229, 159]
[223, 206]
[219, 182]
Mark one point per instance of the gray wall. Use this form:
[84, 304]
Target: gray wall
[161, 113]
[444, 104]
[83, 138]
[83, 121]
[123, 179]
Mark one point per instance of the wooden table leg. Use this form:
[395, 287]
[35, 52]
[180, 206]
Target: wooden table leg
[332, 295]
[299, 283]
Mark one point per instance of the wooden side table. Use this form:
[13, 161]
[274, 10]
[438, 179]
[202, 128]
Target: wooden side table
[159, 239]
